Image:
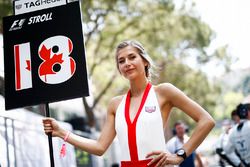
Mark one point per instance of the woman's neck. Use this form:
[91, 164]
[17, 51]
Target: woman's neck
[137, 87]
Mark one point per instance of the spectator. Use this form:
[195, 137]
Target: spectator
[230, 158]
[235, 117]
[239, 137]
[180, 137]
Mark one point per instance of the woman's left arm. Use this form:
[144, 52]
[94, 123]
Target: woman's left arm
[205, 122]
[169, 96]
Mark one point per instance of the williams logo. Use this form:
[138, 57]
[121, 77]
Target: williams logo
[17, 24]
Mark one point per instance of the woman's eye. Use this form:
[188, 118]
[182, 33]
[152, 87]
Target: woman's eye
[132, 57]
[121, 61]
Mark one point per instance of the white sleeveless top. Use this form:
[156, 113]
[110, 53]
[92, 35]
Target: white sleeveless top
[145, 134]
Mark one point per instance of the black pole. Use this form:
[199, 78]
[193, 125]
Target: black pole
[47, 114]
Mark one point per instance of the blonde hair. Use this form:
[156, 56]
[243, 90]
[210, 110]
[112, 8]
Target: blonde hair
[142, 52]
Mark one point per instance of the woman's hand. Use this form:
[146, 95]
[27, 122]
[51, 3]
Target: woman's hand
[51, 126]
[161, 159]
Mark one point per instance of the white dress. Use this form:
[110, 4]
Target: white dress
[145, 134]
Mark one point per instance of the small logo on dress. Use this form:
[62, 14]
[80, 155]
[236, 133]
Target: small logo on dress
[150, 109]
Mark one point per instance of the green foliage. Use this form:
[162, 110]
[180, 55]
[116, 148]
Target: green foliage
[227, 104]
[193, 83]
[246, 85]
[5, 10]
[153, 23]
[168, 34]
[83, 158]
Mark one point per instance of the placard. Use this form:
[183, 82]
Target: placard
[44, 56]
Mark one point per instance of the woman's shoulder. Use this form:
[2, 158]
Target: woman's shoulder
[167, 91]
[115, 101]
[164, 88]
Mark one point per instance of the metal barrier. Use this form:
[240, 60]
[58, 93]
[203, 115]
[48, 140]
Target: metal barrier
[5, 124]
[23, 143]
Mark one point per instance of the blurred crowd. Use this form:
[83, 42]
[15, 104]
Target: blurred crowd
[232, 148]
[233, 145]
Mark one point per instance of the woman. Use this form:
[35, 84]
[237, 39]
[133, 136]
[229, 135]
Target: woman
[138, 117]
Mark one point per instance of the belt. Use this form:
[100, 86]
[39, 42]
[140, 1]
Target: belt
[140, 163]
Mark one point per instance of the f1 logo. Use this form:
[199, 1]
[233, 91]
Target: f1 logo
[17, 24]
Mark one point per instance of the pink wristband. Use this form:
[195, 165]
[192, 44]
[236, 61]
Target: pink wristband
[66, 136]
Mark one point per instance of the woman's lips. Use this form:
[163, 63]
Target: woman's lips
[129, 70]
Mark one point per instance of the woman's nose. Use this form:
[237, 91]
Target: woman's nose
[127, 62]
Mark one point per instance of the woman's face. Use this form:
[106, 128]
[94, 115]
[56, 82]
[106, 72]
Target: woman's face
[130, 63]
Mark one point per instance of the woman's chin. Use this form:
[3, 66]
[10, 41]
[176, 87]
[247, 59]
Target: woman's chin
[130, 76]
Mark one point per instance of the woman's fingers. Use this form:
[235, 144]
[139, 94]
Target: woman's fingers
[163, 160]
[47, 125]
[160, 159]
[153, 153]
[50, 125]
[156, 155]
[48, 120]
[47, 128]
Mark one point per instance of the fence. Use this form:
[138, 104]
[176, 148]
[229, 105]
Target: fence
[24, 144]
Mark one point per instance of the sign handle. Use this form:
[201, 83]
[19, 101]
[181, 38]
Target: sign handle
[47, 114]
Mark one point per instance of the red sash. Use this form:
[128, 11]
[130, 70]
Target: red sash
[141, 163]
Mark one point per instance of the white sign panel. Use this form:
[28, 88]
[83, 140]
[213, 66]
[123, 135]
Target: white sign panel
[25, 6]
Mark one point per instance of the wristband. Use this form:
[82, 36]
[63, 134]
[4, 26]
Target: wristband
[66, 136]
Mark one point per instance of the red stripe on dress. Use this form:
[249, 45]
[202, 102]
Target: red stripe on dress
[141, 163]
[132, 125]
[17, 67]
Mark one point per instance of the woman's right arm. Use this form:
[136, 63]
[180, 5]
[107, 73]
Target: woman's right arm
[97, 147]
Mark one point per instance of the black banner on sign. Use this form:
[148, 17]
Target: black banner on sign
[44, 56]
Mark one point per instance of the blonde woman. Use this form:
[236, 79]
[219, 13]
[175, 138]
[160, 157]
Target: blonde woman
[137, 118]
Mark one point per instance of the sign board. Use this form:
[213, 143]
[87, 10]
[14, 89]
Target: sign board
[44, 56]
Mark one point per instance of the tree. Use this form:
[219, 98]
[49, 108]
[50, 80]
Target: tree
[193, 83]
[164, 32]
[245, 85]
[169, 34]
[5, 10]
